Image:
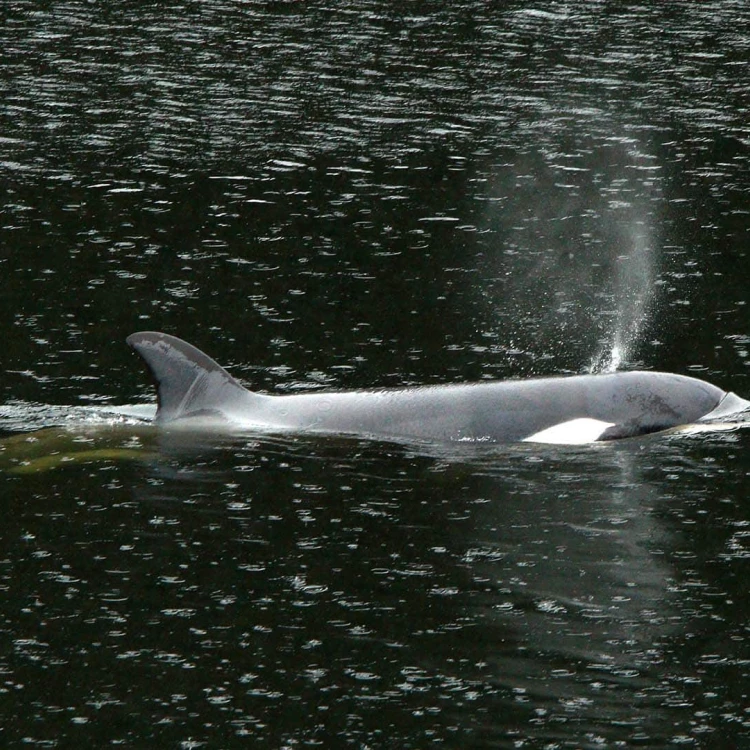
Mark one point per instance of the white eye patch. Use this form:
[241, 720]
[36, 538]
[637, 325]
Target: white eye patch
[574, 432]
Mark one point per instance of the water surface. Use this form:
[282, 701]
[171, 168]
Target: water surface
[360, 195]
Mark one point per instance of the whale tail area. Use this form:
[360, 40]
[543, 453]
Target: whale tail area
[188, 382]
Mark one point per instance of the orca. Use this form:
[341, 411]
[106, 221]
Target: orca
[194, 391]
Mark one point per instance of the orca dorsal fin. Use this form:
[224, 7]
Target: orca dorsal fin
[188, 382]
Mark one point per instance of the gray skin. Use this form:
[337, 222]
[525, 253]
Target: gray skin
[194, 391]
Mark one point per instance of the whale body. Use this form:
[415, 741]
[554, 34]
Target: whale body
[194, 391]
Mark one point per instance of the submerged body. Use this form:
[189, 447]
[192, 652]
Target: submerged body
[191, 386]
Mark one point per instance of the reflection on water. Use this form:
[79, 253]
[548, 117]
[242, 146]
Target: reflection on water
[285, 589]
[369, 194]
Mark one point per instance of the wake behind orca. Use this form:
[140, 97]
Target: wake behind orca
[195, 392]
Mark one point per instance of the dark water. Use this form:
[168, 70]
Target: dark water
[366, 194]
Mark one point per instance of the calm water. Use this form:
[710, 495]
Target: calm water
[369, 194]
